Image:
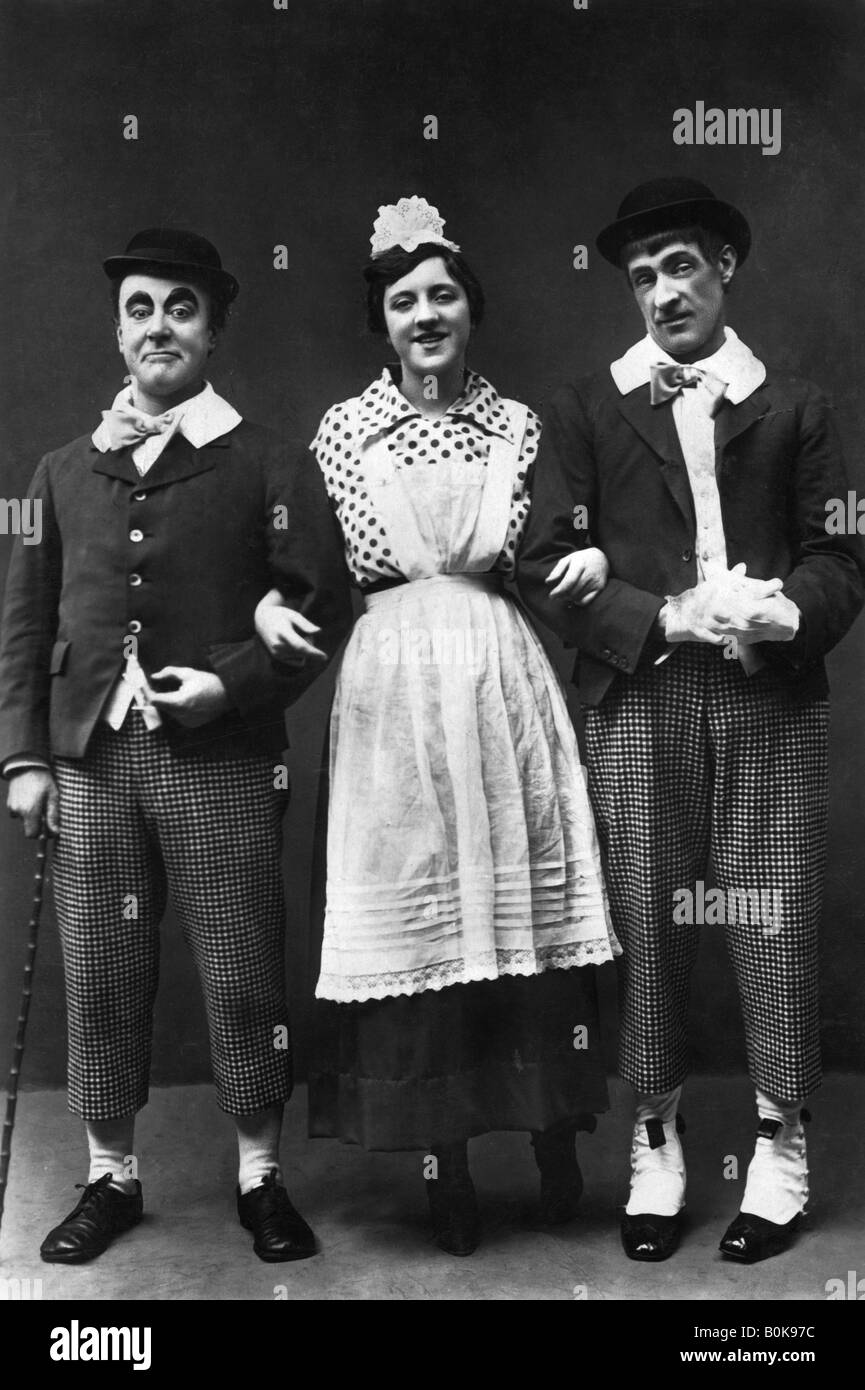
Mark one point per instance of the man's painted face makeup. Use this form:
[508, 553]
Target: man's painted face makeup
[163, 333]
[680, 295]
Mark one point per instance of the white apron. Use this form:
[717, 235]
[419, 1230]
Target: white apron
[461, 844]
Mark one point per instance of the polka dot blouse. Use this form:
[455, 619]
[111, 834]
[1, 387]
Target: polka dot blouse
[464, 432]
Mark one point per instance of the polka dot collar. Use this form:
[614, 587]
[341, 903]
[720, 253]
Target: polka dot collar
[383, 406]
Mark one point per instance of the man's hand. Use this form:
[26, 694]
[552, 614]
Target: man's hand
[33, 798]
[774, 619]
[730, 604]
[581, 575]
[199, 698]
[284, 633]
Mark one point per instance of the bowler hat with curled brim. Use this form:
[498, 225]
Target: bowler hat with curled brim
[663, 204]
[177, 253]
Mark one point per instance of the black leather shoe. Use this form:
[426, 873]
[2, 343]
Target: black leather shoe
[751, 1238]
[102, 1213]
[650, 1237]
[280, 1231]
[454, 1210]
[561, 1179]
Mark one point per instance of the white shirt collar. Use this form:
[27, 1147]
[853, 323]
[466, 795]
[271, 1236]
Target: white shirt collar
[382, 405]
[203, 418]
[734, 363]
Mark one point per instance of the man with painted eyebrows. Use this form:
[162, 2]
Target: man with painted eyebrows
[140, 722]
[705, 477]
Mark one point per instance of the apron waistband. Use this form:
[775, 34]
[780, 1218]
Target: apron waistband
[492, 582]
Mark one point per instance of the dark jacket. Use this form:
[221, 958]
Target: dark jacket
[778, 461]
[179, 558]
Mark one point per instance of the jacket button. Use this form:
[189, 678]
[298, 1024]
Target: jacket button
[135, 580]
[136, 535]
[139, 496]
[687, 555]
[134, 625]
[606, 653]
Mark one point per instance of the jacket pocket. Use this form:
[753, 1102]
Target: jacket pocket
[59, 653]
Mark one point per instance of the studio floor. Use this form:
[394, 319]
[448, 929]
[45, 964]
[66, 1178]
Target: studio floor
[369, 1210]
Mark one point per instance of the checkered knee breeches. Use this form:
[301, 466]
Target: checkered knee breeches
[691, 758]
[139, 822]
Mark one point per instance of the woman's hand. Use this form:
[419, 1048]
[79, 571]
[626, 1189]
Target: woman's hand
[581, 575]
[284, 632]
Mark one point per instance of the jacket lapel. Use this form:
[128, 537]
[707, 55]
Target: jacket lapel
[655, 426]
[178, 460]
[731, 420]
[116, 464]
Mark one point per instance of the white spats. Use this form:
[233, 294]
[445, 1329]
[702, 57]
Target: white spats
[777, 1182]
[657, 1161]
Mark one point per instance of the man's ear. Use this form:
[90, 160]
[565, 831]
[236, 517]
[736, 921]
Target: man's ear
[727, 262]
[213, 339]
[119, 335]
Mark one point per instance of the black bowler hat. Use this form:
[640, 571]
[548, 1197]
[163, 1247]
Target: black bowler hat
[177, 252]
[661, 204]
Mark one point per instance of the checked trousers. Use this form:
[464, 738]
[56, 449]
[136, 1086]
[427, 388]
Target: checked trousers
[140, 822]
[689, 759]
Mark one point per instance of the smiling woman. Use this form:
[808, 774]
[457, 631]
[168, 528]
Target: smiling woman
[463, 878]
[428, 322]
[426, 301]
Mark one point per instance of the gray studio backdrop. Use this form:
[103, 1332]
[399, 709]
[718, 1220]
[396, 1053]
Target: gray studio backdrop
[264, 127]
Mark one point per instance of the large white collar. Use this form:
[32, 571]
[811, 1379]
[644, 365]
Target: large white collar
[382, 405]
[734, 363]
[202, 418]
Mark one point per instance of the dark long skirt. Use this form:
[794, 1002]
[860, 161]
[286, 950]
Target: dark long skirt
[446, 1065]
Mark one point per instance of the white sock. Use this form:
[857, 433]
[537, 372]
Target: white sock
[777, 1182]
[258, 1146]
[110, 1143]
[657, 1175]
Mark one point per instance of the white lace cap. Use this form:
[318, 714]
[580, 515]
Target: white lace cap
[408, 223]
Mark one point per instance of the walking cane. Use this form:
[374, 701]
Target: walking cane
[23, 1011]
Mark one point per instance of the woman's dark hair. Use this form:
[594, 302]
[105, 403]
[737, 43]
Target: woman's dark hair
[386, 269]
[218, 298]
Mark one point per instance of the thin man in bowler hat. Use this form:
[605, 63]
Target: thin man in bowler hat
[705, 478]
[142, 720]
